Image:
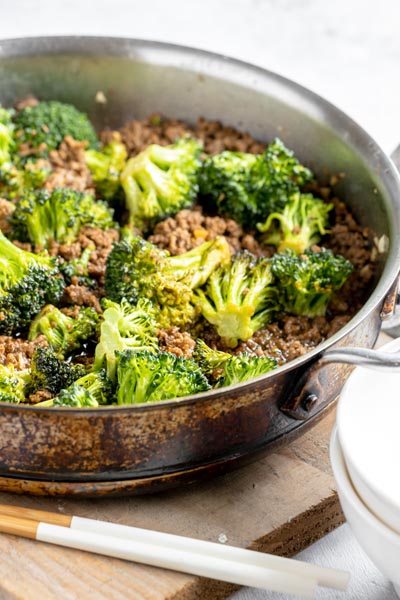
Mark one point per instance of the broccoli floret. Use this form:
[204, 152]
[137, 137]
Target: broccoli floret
[42, 216]
[88, 391]
[224, 369]
[52, 373]
[308, 281]
[249, 187]
[63, 333]
[196, 265]
[27, 282]
[6, 139]
[13, 384]
[161, 181]
[16, 179]
[75, 396]
[6, 115]
[149, 377]
[239, 298]
[8, 172]
[299, 225]
[45, 125]
[106, 167]
[225, 182]
[210, 361]
[136, 268]
[244, 367]
[124, 327]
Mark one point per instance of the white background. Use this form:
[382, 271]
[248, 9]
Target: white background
[345, 50]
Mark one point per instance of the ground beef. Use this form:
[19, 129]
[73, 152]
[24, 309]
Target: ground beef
[40, 396]
[217, 137]
[81, 295]
[156, 129]
[286, 339]
[138, 134]
[190, 228]
[103, 241]
[17, 351]
[69, 167]
[178, 342]
[354, 243]
[6, 210]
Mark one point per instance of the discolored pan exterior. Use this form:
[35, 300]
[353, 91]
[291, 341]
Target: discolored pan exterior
[154, 440]
[149, 447]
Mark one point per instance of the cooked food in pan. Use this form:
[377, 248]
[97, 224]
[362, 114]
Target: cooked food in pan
[161, 260]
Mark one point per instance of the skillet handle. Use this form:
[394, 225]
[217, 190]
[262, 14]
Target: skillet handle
[363, 357]
[317, 383]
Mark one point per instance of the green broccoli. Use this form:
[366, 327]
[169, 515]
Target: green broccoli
[42, 216]
[63, 333]
[301, 223]
[89, 391]
[45, 125]
[8, 171]
[308, 281]
[148, 377]
[249, 187]
[52, 373]
[6, 115]
[17, 179]
[210, 361]
[6, 137]
[136, 268]
[124, 327]
[75, 396]
[13, 384]
[244, 367]
[106, 167]
[27, 282]
[225, 182]
[224, 369]
[160, 181]
[239, 298]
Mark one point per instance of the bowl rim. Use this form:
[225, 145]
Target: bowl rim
[346, 487]
[360, 141]
[358, 468]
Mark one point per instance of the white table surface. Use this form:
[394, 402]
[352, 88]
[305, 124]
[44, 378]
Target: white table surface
[346, 50]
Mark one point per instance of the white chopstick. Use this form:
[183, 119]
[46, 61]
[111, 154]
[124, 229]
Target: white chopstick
[226, 563]
[159, 556]
[333, 578]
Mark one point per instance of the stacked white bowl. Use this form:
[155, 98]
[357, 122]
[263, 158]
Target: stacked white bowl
[365, 457]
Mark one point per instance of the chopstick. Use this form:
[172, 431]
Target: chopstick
[159, 556]
[207, 559]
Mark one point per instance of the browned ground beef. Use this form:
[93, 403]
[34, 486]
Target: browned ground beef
[17, 351]
[190, 228]
[178, 342]
[284, 339]
[6, 210]
[138, 134]
[69, 167]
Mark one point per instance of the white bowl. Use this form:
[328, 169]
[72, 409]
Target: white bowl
[379, 542]
[368, 420]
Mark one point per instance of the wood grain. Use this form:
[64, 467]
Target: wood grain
[280, 504]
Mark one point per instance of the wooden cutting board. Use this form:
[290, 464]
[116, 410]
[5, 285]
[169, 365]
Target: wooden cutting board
[280, 504]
